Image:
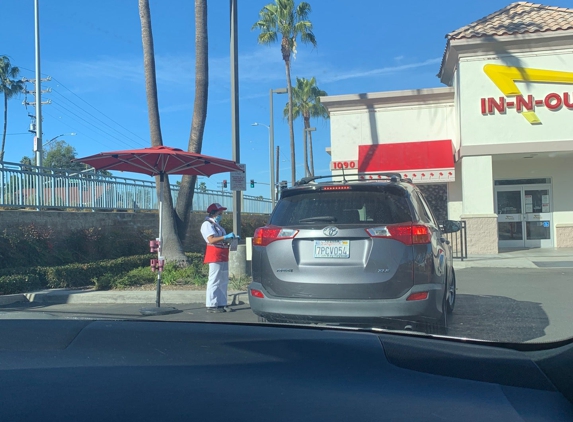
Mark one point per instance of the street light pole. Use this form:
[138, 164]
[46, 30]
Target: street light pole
[56, 137]
[272, 141]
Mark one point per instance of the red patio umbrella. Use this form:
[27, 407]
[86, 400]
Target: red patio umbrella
[159, 161]
[156, 161]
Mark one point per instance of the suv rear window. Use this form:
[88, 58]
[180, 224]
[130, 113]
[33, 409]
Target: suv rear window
[345, 207]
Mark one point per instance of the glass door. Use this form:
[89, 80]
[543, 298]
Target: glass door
[524, 216]
[537, 217]
[509, 207]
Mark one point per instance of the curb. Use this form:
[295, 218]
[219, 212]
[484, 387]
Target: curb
[10, 299]
[65, 296]
[497, 265]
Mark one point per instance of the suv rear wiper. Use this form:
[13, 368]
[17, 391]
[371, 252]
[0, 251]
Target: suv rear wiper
[330, 218]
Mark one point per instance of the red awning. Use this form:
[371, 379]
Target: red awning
[430, 161]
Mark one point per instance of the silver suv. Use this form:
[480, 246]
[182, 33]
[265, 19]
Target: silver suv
[364, 251]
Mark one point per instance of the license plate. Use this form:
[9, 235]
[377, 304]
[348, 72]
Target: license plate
[332, 249]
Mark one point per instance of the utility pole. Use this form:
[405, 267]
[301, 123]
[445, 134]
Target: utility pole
[235, 113]
[33, 124]
[38, 138]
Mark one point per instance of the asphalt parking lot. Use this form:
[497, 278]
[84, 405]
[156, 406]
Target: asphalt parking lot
[494, 304]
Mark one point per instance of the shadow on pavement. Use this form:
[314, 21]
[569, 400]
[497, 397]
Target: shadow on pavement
[497, 318]
[185, 312]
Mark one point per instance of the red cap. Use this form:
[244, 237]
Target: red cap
[215, 207]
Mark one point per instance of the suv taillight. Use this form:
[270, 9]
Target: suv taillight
[408, 234]
[265, 235]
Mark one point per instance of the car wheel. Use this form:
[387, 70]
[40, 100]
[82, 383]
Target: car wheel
[271, 320]
[451, 299]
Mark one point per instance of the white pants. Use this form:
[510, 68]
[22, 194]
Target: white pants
[217, 285]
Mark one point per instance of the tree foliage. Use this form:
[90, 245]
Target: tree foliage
[10, 87]
[306, 103]
[60, 154]
[289, 22]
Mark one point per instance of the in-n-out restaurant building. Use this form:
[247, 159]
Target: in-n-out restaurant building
[494, 147]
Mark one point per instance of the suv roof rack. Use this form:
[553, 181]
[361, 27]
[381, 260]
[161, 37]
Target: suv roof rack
[394, 177]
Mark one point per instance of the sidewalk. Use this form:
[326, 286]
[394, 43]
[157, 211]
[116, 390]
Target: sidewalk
[78, 296]
[525, 258]
[520, 258]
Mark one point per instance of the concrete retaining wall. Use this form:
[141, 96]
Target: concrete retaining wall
[64, 222]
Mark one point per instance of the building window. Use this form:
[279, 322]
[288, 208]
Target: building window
[522, 182]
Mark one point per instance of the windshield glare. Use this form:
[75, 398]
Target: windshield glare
[159, 163]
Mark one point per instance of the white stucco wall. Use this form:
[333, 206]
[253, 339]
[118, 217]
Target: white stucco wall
[455, 205]
[477, 185]
[349, 129]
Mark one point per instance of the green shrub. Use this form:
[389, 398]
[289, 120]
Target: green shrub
[103, 282]
[135, 277]
[193, 274]
[196, 273]
[17, 283]
[102, 275]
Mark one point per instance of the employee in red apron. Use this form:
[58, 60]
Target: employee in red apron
[217, 256]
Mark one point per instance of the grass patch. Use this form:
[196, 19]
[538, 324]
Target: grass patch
[173, 274]
[239, 283]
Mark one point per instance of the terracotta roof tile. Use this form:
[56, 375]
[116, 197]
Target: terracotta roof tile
[517, 18]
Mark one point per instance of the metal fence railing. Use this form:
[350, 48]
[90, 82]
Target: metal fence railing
[23, 186]
[459, 242]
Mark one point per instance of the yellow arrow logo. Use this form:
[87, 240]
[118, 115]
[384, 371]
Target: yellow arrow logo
[504, 77]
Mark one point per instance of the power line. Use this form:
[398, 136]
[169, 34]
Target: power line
[58, 105]
[83, 134]
[103, 114]
[98, 119]
[96, 109]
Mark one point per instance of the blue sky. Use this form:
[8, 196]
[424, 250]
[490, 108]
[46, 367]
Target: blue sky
[93, 52]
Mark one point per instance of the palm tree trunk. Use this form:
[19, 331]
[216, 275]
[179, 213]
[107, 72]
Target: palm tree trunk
[171, 248]
[290, 124]
[150, 77]
[187, 187]
[5, 127]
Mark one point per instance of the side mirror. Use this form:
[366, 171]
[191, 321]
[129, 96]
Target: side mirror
[450, 226]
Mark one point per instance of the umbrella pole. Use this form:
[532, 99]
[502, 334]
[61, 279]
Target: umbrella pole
[160, 249]
[166, 309]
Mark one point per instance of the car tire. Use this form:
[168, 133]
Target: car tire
[451, 294]
[440, 325]
[271, 320]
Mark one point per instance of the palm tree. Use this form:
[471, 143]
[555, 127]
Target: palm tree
[10, 87]
[171, 248]
[306, 103]
[187, 187]
[282, 18]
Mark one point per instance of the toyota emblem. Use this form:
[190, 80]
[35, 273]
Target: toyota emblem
[330, 231]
